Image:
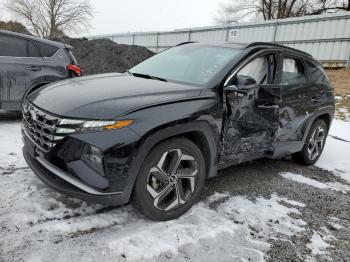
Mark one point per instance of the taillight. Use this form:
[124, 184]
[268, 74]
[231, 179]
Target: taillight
[75, 69]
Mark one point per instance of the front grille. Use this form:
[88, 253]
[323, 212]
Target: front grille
[40, 127]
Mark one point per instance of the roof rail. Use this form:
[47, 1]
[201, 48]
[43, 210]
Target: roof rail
[276, 45]
[185, 43]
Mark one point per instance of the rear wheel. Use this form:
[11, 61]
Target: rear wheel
[170, 180]
[314, 144]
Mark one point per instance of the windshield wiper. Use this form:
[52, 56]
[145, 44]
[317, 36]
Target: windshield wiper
[147, 76]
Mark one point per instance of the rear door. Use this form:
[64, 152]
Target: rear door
[296, 93]
[20, 63]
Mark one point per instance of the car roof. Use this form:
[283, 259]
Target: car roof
[264, 45]
[35, 38]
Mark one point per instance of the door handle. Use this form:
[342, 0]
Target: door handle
[315, 99]
[33, 68]
[268, 107]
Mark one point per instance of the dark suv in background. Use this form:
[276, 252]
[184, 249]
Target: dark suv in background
[28, 62]
[154, 134]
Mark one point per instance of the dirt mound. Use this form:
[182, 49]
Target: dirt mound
[105, 56]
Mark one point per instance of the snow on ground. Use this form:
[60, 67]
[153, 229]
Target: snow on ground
[312, 182]
[336, 154]
[38, 224]
[10, 145]
[32, 214]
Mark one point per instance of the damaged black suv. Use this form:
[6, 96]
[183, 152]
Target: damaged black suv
[153, 135]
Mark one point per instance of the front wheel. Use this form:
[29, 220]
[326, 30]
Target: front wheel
[314, 144]
[170, 179]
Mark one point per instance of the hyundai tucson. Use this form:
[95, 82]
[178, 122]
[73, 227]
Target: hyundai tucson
[153, 135]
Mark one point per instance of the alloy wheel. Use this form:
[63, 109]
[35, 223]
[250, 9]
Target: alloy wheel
[316, 142]
[172, 181]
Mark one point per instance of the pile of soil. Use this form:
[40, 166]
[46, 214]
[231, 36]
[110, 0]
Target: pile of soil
[105, 56]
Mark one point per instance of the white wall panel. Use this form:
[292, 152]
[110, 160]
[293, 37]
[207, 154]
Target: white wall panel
[326, 37]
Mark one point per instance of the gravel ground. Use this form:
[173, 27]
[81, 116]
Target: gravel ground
[260, 178]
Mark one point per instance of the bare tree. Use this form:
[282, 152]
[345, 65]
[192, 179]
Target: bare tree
[52, 18]
[243, 10]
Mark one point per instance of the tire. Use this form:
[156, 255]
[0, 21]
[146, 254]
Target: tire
[170, 180]
[314, 144]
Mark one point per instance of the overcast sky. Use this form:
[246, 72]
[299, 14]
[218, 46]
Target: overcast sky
[119, 16]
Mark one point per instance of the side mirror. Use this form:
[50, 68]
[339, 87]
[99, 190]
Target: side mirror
[242, 80]
[234, 88]
[231, 88]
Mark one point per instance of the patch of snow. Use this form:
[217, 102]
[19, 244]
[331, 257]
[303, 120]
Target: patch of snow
[312, 182]
[11, 145]
[265, 217]
[335, 156]
[318, 245]
[334, 223]
[294, 203]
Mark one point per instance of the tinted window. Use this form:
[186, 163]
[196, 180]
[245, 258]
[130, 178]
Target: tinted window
[316, 73]
[293, 72]
[46, 50]
[256, 69]
[187, 63]
[32, 50]
[12, 46]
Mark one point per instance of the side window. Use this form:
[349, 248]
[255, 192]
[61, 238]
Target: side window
[293, 72]
[32, 50]
[12, 46]
[316, 73]
[256, 69]
[46, 50]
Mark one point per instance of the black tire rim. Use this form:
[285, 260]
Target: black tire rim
[316, 142]
[172, 181]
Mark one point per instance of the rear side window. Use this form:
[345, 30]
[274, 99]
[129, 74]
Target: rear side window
[317, 73]
[46, 50]
[32, 50]
[12, 46]
[293, 72]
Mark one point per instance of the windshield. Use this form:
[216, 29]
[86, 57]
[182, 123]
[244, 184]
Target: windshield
[191, 64]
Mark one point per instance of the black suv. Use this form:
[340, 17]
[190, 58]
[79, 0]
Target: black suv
[28, 62]
[153, 135]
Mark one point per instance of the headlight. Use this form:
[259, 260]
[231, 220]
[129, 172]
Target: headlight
[69, 126]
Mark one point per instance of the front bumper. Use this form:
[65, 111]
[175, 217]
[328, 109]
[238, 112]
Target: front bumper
[48, 173]
[62, 169]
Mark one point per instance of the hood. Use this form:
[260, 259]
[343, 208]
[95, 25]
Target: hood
[107, 96]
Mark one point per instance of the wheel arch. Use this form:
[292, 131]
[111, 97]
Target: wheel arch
[199, 132]
[325, 117]
[325, 114]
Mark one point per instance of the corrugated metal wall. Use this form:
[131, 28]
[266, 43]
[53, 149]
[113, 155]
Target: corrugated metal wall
[326, 37]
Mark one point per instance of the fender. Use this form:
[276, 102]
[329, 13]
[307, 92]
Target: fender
[149, 142]
[288, 147]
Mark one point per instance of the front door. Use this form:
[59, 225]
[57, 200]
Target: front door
[252, 111]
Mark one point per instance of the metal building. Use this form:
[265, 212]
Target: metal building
[326, 37]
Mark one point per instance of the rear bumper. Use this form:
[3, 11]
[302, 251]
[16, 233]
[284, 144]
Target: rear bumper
[55, 178]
